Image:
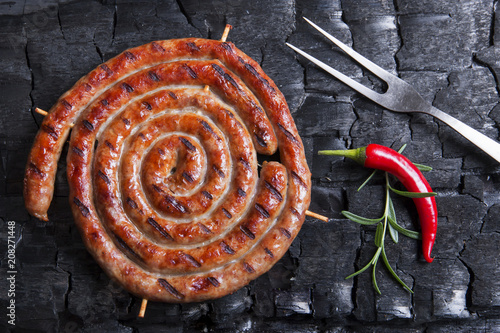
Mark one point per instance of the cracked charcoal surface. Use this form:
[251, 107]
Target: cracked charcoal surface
[448, 50]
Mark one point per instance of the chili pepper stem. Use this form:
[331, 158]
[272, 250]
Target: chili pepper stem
[358, 154]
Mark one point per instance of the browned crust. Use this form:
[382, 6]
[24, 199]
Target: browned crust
[159, 259]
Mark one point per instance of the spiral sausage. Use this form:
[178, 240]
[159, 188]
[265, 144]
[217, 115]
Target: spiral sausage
[163, 174]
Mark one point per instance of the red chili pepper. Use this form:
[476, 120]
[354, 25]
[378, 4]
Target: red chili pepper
[386, 159]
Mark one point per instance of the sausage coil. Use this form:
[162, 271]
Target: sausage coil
[164, 182]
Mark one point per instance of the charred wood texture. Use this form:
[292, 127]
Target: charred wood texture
[449, 50]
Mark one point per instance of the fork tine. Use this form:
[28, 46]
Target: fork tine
[373, 95]
[374, 68]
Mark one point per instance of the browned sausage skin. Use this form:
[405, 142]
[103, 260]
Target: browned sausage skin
[163, 175]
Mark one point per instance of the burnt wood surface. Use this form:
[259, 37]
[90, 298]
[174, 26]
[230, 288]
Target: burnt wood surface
[447, 49]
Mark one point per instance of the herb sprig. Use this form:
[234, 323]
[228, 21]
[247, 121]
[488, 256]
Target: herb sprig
[388, 221]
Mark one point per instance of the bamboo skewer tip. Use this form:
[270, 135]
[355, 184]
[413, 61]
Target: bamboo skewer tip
[40, 111]
[226, 32]
[45, 113]
[316, 216]
[142, 311]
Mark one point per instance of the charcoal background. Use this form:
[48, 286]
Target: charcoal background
[449, 50]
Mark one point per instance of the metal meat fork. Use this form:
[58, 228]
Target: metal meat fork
[400, 95]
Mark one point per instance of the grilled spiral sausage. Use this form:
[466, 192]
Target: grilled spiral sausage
[163, 175]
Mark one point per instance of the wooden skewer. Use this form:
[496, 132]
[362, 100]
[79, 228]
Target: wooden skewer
[42, 112]
[222, 39]
[45, 113]
[226, 32]
[316, 216]
[143, 308]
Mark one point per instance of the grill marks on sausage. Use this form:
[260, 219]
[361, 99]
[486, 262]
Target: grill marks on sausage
[213, 281]
[269, 252]
[248, 268]
[286, 233]
[230, 79]
[77, 151]
[50, 131]
[226, 46]
[171, 94]
[226, 76]
[129, 55]
[275, 193]
[262, 210]
[125, 121]
[108, 70]
[127, 87]
[157, 47]
[299, 179]
[295, 211]
[104, 177]
[231, 115]
[66, 104]
[207, 195]
[36, 170]
[88, 125]
[159, 228]
[157, 188]
[209, 129]
[110, 146]
[204, 228]
[218, 69]
[190, 71]
[241, 193]
[247, 232]
[289, 135]
[147, 106]
[245, 163]
[171, 200]
[127, 248]
[190, 260]
[218, 171]
[260, 140]
[188, 144]
[187, 177]
[105, 102]
[153, 76]
[131, 203]
[83, 209]
[192, 46]
[227, 213]
[168, 287]
[251, 69]
[257, 107]
[254, 72]
[226, 248]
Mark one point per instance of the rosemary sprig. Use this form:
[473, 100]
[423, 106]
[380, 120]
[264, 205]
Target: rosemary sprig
[388, 221]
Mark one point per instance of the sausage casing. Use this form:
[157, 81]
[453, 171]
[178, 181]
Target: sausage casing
[164, 182]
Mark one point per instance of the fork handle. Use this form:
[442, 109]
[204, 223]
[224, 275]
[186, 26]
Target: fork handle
[488, 145]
